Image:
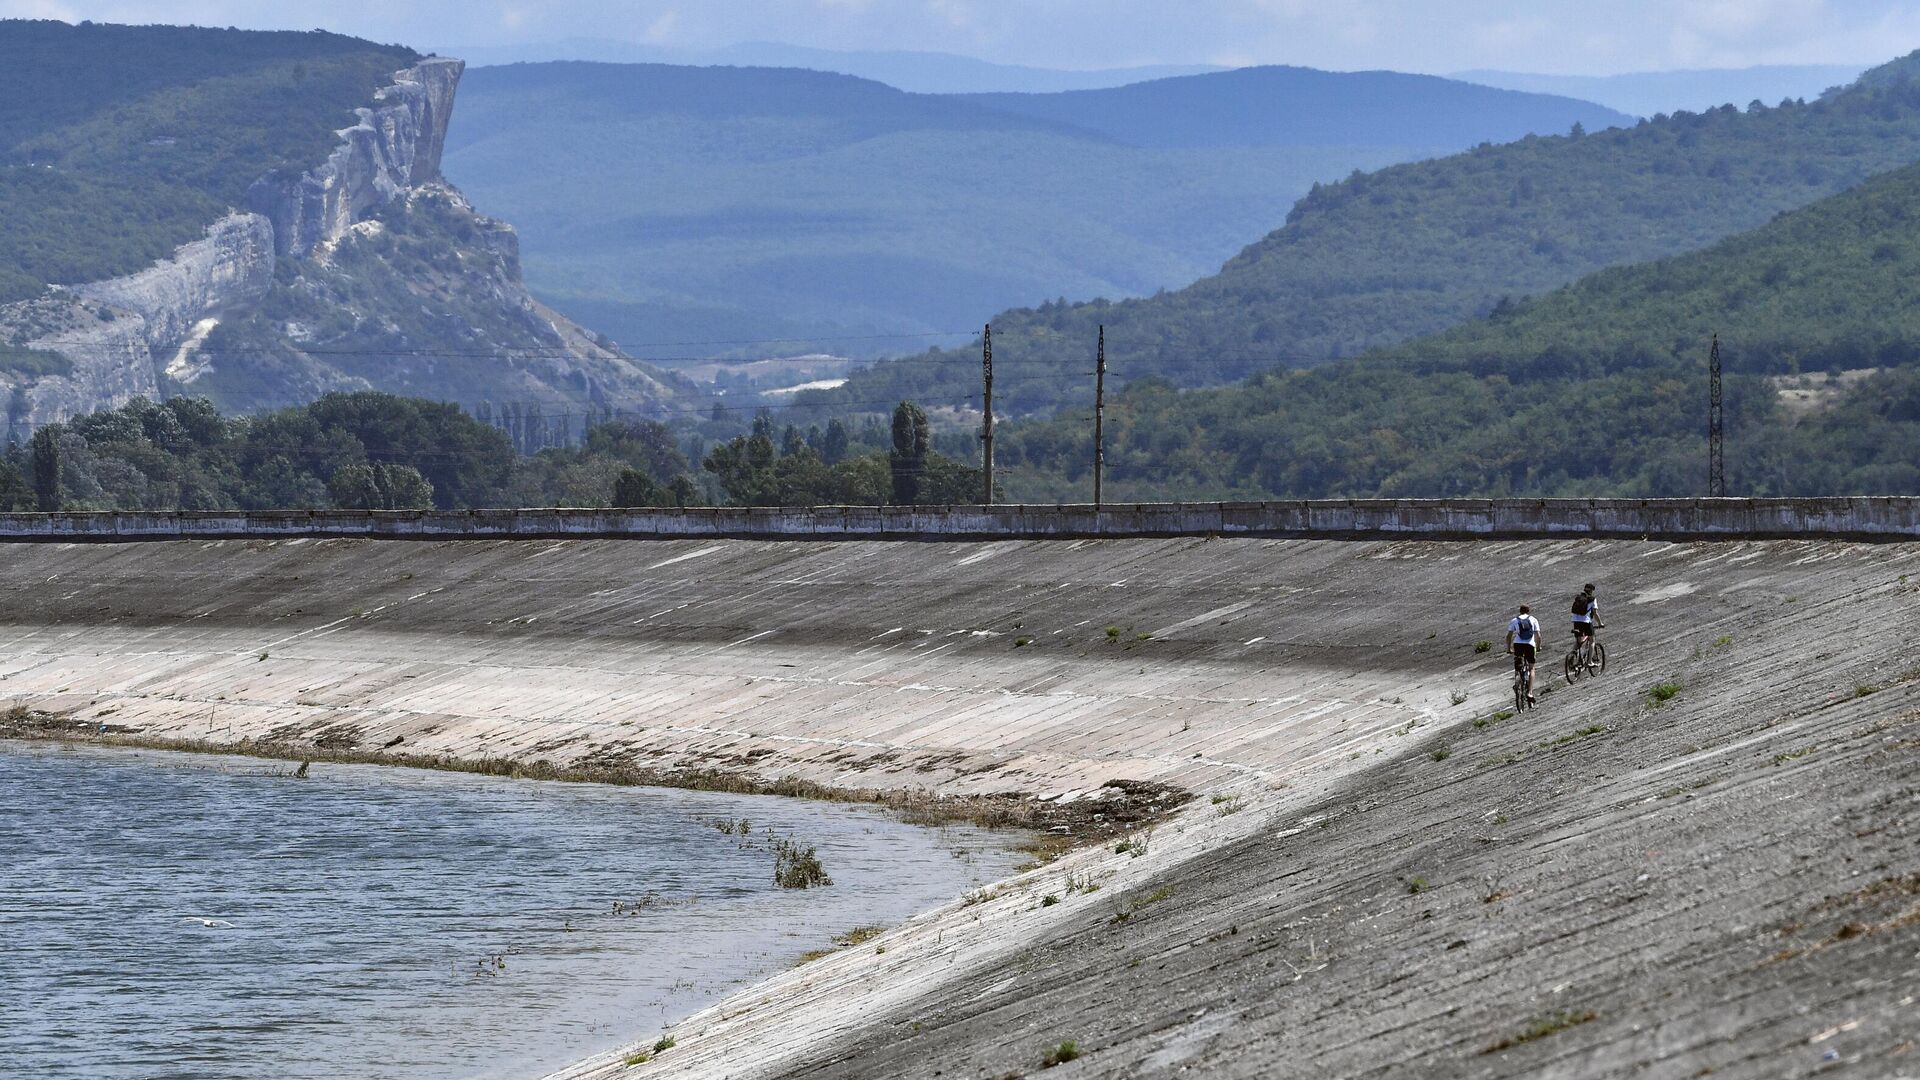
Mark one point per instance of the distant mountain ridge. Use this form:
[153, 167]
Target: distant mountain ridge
[916, 72]
[1294, 106]
[1386, 257]
[1646, 93]
[681, 204]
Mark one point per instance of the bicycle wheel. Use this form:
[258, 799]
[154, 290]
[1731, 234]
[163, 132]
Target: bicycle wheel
[1573, 667]
[1519, 693]
[1597, 660]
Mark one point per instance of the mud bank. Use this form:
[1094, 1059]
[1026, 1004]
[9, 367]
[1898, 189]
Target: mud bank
[1368, 881]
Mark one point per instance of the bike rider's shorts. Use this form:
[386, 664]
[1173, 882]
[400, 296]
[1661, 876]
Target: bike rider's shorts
[1584, 629]
[1522, 653]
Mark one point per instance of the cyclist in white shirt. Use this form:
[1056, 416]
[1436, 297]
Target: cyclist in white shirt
[1523, 637]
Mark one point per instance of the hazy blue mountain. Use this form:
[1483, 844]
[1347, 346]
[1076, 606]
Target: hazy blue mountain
[1381, 258]
[1293, 106]
[920, 72]
[1646, 93]
[680, 204]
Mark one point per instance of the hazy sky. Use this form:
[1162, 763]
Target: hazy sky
[1566, 36]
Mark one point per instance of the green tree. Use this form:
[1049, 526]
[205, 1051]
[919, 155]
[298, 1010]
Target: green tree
[833, 445]
[46, 468]
[634, 488]
[909, 456]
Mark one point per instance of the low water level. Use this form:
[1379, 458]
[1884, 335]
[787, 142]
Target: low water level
[171, 915]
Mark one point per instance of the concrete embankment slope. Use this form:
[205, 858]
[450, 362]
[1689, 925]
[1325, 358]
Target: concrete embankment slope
[1725, 879]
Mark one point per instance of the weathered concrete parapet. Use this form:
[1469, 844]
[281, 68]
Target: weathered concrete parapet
[1874, 519]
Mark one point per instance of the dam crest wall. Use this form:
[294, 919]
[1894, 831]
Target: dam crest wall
[1887, 519]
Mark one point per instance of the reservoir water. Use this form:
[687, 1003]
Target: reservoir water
[174, 915]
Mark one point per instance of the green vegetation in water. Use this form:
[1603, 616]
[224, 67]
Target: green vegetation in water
[796, 867]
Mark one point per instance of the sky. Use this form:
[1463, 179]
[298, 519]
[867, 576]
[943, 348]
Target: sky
[1585, 37]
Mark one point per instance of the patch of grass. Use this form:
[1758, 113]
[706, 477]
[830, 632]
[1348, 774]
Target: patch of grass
[1164, 892]
[979, 896]
[811, 955]
[1441, 754]
[1551, 1024]
[1864, 689]
[665, 1044]
[1662, 692]
[1060, 1055]
[1723, 641]
[1049, 900]
[1022, 641]
[859, 935]
[1585, 732]
[1500, 717]
[1416, 885]
[1230, 804]
[1135, 845]
[1113, 633]
[1482, 646]
[1143, 636]
[638, 1057]
[1457, 696]
[1790, 755]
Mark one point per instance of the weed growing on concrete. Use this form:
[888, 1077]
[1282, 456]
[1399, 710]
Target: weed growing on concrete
[1723, 641]
[1441, 754]
[1663, 691]
[979, 896]
[1864, 689]
[1416, 885]
[1164, 892]
[1049, 900]
[1135, 845]
[1113, 633]
[1482, 646]
[1489, 721]
[859, 935]
[795, 867]
[1547, 1025]
[1591, 729]
[811, 955]
[261, 659]
[665, 1044]
[638, 1057]
[1060, 1055]
[1080, 883]
[1782, 759]
[1229, 804]
[1457, 696]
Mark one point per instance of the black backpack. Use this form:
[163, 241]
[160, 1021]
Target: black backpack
[1580, 604]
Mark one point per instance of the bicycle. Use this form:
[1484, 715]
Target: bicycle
[1587, 657]
[1523, 687]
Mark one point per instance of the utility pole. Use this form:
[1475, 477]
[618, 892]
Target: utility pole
[1716, 428]
[986, 428]
[1099, 414]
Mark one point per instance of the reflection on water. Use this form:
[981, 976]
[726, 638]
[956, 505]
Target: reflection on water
[167, 915]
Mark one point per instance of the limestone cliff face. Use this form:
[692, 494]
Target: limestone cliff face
[119, 334]
[141, 335]
[395, 146]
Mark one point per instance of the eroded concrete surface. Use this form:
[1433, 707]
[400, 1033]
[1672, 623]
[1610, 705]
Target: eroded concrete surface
[1724, 881]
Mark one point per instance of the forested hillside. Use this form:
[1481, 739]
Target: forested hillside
[1384, 257]
[120, 143]
[1599, 388]
[680, 204]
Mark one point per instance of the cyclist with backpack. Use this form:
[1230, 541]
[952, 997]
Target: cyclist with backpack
[1523, 638]
[1586, 617]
